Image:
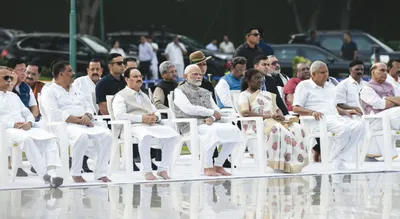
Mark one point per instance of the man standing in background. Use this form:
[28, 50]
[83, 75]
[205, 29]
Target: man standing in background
[174, 53]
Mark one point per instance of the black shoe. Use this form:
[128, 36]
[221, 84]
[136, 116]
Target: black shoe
[85, 166]
[70, 162]
[135, 168]
[21, 173]
[33, 170]
[227, 164]
[153, 166]
[54, 182]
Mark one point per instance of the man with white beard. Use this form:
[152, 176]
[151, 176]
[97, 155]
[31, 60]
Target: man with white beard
[275, 70]
[192, 101]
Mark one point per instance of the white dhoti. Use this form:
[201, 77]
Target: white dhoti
[167, 138]
[40, 148]
[226, 134]
[79, 137]
[376, 148]
[179, 69]
[348, 134]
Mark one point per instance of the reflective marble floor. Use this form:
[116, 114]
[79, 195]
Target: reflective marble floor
[328, 196]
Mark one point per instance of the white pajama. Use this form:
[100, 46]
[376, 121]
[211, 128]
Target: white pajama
[376, 147]
[40, 148]
[167, 147]
[179, 69]
[226, 150]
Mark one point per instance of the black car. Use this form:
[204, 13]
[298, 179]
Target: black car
[332, 40]
[44, 48]
[338, 67]
[129, 40]
[6, 36]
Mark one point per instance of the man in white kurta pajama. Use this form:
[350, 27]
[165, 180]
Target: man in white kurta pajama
[192, 101]
[133, 105]
[40, 147]
[316, 97]
[64, 102]
[378, 97]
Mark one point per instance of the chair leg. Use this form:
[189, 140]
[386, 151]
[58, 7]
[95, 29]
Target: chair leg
[175, 156]
[16, 158]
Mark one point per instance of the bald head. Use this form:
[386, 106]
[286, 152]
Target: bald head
[5, 78]
[193, 75]
[378, 72]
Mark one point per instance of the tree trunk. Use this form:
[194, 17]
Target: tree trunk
[87, 13]
[313, 22]
[346, 13]
[297, 18]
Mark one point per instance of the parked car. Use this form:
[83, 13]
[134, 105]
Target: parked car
[338, 67]
[130, 39]
[332, 40]
[44, 48]
[6, 36]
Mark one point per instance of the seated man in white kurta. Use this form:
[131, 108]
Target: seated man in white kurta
[192, 101]
[378, 97]
[134, 105]
[64, 102]
[316, 97]
[40, 147]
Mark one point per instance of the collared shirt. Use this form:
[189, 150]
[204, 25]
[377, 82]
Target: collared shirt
[59, 104]
[146, 52]
[88, 87]
[394, 83]
[249, 53]
[227, 47]
[289, 88]
[174, 53]
[313, 97]
[119, 107]
[183, 103]
[32, 99]
[154, 60]
[12, 110]
[347, 91]
[370, 97]
[212, 47]
[108, 85]
[348, 50]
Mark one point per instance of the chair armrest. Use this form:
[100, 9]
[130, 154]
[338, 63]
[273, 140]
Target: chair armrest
[120, 122]
[56, 123]
[372, 117]
[293, 113]
[184, 120]
[102, 117]
[227, 110]
[307, 118]
[254, 119]
[163, 111]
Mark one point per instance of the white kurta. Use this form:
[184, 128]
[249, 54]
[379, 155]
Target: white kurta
[395, 84]
[154, 61]
[40, 146]
[347, 91]
[88, 87]
[167, 137]
[210, 135]
[59, 104]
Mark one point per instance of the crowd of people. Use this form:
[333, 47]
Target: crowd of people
[265, 93]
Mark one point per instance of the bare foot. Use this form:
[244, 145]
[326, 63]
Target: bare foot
[104, 179]
[164, 175]
[150, 176]
[252, 155]
[78, 179]
[222, 171]
[210, 172]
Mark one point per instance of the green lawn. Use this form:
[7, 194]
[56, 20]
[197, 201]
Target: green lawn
[46, 78]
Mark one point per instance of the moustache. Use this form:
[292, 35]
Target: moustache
[29, 78]
[359, 73]
[139, 81]
[94, 74]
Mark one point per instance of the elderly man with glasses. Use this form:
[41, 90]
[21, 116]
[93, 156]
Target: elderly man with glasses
[168, 84]
[275, 71]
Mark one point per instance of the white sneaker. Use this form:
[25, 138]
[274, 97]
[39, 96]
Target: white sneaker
[338, 164]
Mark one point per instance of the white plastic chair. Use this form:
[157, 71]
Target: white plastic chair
[389, 135]
[151, 95]
[259, 136]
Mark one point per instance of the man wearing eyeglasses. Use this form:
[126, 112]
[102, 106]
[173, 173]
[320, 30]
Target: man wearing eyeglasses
[378, 97]
[112, 83]
[22, 89]
[250, 49]
[168, 84]
[275, 71]
[231, 81]
[40, 147]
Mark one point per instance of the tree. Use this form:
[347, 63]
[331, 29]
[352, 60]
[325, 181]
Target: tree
[87, 12]
[346, 14]
[301, 11]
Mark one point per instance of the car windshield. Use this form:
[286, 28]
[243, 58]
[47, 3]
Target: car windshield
[384, 46]
[191, 42]
[96, 44]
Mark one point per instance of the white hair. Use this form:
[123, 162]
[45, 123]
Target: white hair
[315, 66]
[164, 66]
[189, 67]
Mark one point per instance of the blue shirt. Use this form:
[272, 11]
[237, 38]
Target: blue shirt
[266, 48]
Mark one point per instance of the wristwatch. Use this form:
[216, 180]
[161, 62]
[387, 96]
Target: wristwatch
[89, 115]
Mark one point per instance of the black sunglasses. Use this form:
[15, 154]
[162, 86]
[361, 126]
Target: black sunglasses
[118, 63]
[254, 34]
[6, 78]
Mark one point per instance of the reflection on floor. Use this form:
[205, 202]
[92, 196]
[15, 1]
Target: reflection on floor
[373, 195]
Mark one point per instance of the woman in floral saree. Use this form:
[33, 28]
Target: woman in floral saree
[286, 143]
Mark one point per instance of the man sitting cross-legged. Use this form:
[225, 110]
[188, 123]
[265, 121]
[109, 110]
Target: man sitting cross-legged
[134, 105]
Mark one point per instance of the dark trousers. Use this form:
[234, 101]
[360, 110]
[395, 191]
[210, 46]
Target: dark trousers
[144, 68]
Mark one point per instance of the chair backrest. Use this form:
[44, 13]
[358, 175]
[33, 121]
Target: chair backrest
[94, 103]
[360, 105]
[171, 105]
[280, 90]
[109, 100]
[151, 95]
[235, 100]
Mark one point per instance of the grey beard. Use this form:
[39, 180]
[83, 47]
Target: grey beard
[194, 82]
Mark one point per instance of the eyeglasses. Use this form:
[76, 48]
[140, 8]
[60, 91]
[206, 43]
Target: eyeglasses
[254, 34]
[274, 63]
[118, 63]
[305, 69]
[6, 78]
[358, 69]
[172, 72]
